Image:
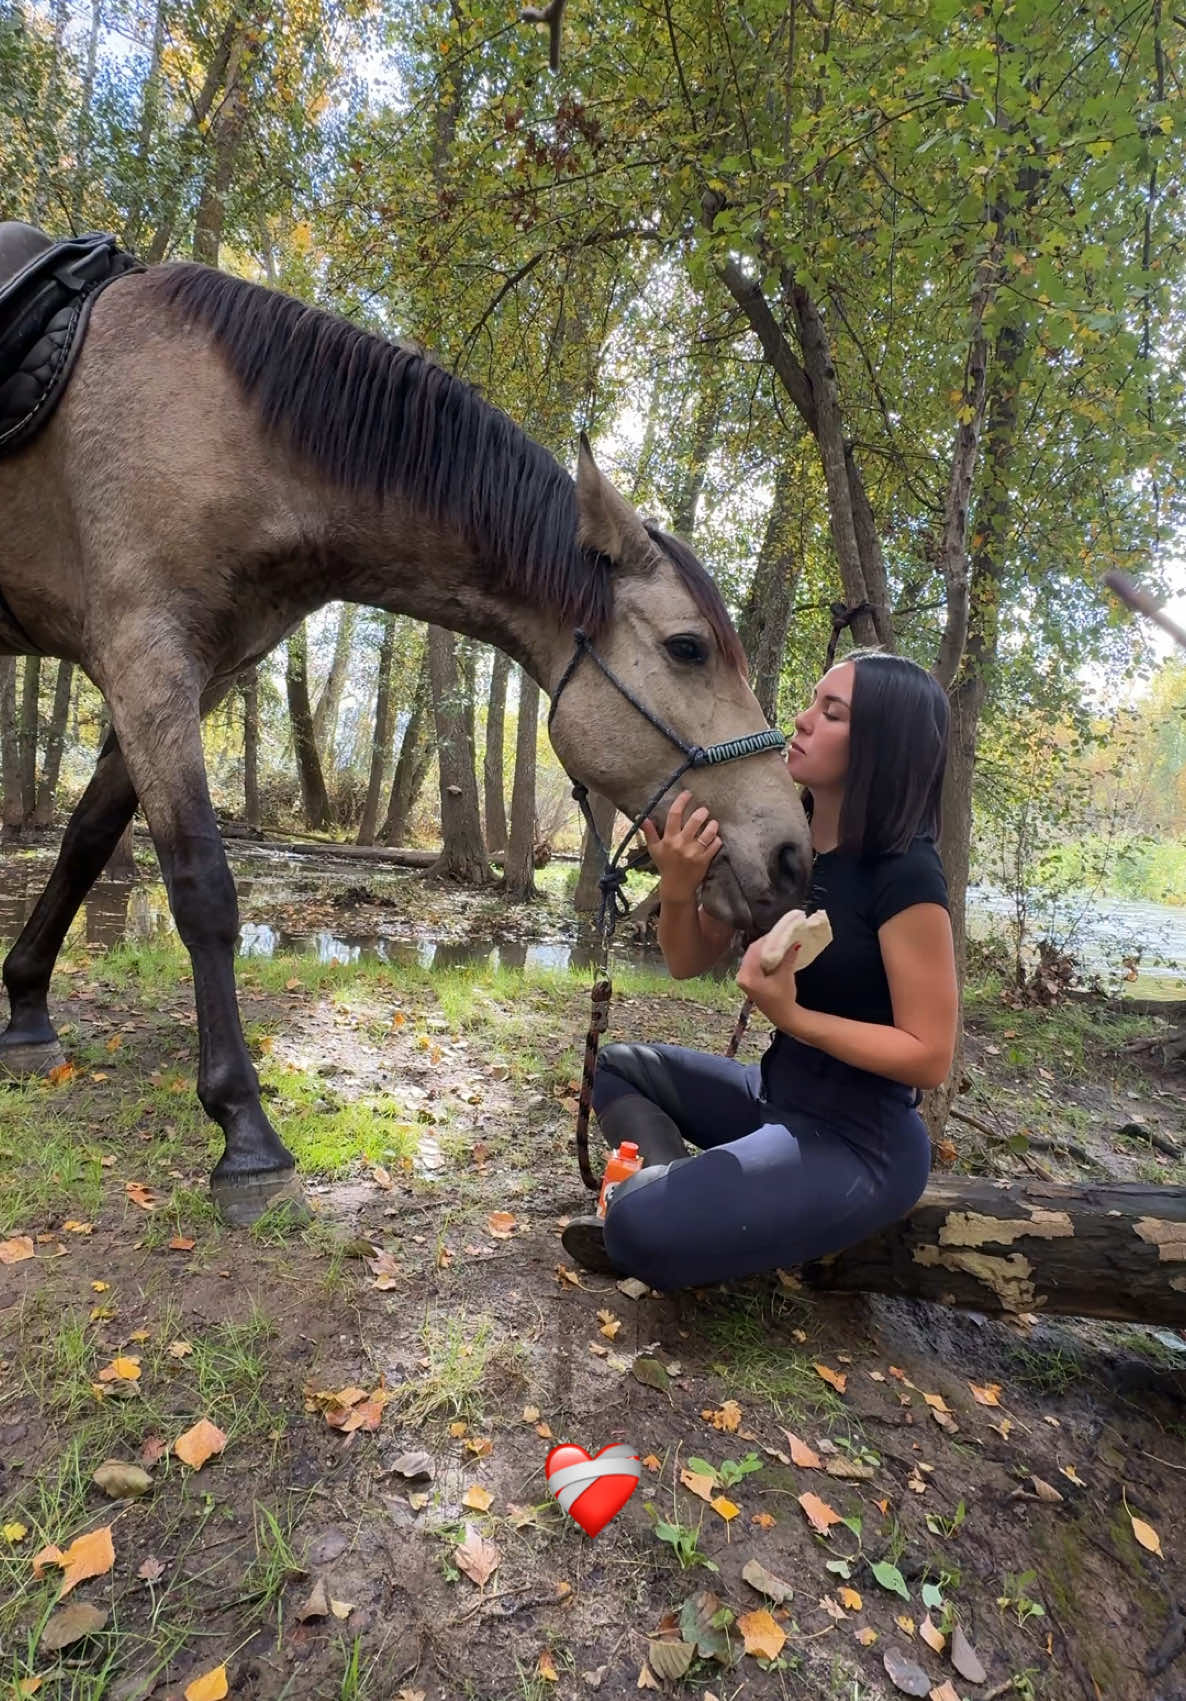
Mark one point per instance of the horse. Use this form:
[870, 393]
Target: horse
[224, 461]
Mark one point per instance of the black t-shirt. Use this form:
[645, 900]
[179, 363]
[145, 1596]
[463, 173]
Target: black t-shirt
[848, 978]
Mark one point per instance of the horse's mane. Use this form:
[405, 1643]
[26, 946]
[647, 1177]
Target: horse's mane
[379, 416]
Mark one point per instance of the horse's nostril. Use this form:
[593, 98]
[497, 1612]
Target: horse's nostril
[794, 866]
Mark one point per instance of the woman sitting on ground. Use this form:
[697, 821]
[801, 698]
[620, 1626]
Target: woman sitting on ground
[821, 1144]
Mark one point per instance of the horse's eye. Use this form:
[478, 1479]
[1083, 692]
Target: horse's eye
[686, 647]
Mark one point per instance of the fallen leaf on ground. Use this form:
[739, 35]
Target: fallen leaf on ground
[153, 1450]
[764, 1520]
[140, 1195]
[545, 1667]
[802, 1455]
[945, 1692]
[965, 1658]
[91, 1555]
[937, 1402]
[1146, 1535]
[652, 1462]
[763, 1637]
[725, 1508]
[181, 1243]
[819, 1514]
[904, 1673]
[413, 1465]
[477, 1498]
[932, 1635]
[180, 1349]
[14, 1532]
[121, 1370]
[477, 1557]
[120, 1481]
[835, 1378]
[866, 1636]
[988, 1395]
[697, 1484]
[765, 1582]
[500, 1224]
[850, 1470]
[211, 1686]
[727, 1416]
[317, 1605]
[199, 1443]
[609, 1325]
[833, 1608]
[849, 1598]
[1045, 1490]
[151, 1570]
[70, 1624]
[16, 1250]
[1072, 1475]
[904, 1623]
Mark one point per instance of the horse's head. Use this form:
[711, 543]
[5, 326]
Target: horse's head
[669, 640]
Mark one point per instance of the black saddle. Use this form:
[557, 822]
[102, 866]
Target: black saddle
[47, 290]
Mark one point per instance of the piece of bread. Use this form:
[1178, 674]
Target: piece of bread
[811, 933]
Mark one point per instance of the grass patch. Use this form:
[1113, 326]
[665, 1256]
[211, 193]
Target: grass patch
[453, 1384]
[749, 1333]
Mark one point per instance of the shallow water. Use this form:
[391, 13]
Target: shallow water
[1099, 932]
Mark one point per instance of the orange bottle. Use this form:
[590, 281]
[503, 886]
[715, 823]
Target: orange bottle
[622, 1162]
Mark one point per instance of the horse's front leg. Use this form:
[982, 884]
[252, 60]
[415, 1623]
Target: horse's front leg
[29, 1045]
[156, 716]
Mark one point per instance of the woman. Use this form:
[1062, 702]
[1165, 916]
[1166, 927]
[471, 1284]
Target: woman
[821, 1143]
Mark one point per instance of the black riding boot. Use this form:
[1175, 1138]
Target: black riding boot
[584, 1237]
[633, 1117]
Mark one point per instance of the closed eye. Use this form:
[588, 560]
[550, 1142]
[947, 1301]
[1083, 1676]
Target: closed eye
[686, 647]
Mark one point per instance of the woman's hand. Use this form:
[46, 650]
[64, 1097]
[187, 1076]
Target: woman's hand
[685, 849]
[775, 995]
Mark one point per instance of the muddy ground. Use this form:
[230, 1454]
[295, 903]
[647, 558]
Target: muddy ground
[431, 1301]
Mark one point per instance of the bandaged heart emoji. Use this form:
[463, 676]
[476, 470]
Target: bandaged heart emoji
[592, 1490]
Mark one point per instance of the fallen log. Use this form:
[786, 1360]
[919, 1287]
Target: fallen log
[1115, 1251]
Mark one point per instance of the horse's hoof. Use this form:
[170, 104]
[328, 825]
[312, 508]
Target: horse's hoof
[243, 1200]
[25, 1060]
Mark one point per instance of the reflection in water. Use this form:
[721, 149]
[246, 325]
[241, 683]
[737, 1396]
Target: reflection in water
[256, 939]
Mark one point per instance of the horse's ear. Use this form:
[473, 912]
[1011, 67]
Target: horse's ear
[607, 522]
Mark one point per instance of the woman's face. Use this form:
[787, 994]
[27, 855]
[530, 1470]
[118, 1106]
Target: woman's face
[818, 753]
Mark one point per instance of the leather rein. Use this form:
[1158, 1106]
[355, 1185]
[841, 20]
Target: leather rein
[615, 866]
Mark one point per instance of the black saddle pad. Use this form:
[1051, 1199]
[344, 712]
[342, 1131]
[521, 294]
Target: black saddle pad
[44, 308]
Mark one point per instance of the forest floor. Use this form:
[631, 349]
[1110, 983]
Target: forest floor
[389, 1380]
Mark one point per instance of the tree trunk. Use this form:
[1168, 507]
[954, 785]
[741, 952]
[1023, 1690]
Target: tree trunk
[495, 799]
[704, 430]
[27, 737]
[55, 740]
[463, 857]
[229, 47]
[85, 115]
[1116, 1250]
[992, 529]
[296, 679]
[587, 897]
[48, 151]
[325, 715]
[227, 128]
[519, 867]
[766, 616]
[413, 762]
[10, 759]
[381, 741]
[150, 100]
[249, 688]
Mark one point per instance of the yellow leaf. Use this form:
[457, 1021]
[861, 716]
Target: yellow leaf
[477, 1498]
[932, 1635]
[501, 1224]
[100, 1287]
[763, 1520]
[727, 1416]
[1072, 1475]
[937, 1402]
[1146, 1535]
[91, 1555]
[989, 1395]
[866, 1636]
[530, 1414]
[836, 1378]
[819, 1514]
[904, 1623]
[849, 1598]
[199, 1443]
[763, 1637]
[697, 1484]
[16, 1250]
[609, 1324]
[458, 1428]
[121, 1370]
[14, 1532]
[28, 1686]
[801, 1454]
[652, 1463]
[211, 1686]
[179, 1349]
[726, 1508]
[546, 1667]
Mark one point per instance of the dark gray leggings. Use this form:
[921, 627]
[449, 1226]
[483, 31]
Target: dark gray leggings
[800, 1156]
